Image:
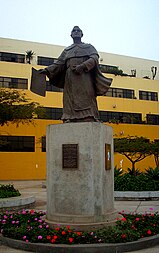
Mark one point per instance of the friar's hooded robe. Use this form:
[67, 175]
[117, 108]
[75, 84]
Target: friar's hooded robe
[80, 90]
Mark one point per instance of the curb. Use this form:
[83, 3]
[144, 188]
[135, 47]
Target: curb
[130, 195]
[134, 195]
[16, 202]
[82, 248]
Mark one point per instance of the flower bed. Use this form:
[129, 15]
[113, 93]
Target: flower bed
[30, 226]
[7, 191]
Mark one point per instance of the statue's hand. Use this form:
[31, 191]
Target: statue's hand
[42, 71]
[78, 69]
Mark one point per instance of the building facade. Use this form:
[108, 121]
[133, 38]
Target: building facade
[131, 105]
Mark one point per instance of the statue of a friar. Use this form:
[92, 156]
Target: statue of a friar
[77, 72]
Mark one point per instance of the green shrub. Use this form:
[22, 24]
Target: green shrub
[7, 191]
[117, 171]
[147, 181]
[152, 173]
[133, 172]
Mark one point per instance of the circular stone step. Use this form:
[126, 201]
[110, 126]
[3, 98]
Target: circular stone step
[15, 203]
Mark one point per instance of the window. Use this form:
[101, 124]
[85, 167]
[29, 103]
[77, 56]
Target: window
[17, 143]
[152, 119]
[120, 93]
[53, 113]
[12, 57]
[45, 61]
[11, 82]
[50, 87]
[147, 95]
[43, 140]
[120, 117]
[108, 68]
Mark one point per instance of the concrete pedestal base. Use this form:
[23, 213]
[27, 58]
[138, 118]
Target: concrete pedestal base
[80, 175]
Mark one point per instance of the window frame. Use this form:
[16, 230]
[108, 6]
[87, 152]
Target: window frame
[12, 57]
[120, 93]
[17, 143]
[148, 95]
[13, 83]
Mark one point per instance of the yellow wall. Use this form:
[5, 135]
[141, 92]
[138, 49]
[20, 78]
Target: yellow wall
[25, 165]
[54, 99]
[32, 165]
[126, 63]
[123, 130]
[19, 165]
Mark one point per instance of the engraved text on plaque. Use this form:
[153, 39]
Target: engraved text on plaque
[70, 156]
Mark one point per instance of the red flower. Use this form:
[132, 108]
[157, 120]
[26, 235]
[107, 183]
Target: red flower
[48, 237]
[32, 211]
[78, 233]
[68, 227]
[137, 219]
[123, 236]
[70, 240]
[57, 229]
[52, 241]
[55, 237]
[123, 219]
[149, 232]
[63, 233]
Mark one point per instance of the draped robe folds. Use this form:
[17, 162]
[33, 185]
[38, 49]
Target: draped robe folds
[80, 90]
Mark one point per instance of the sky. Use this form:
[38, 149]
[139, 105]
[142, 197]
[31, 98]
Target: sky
[124, 27]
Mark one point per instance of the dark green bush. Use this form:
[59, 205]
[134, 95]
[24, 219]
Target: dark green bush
[147, 181]
[7, 191]
[117, 171]
[152, 174]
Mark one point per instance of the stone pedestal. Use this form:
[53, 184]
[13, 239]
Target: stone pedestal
[80, 175]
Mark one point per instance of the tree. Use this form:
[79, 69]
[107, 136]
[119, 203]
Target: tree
[133, 148]
[29, 56]
[155, 152]
[16, 108]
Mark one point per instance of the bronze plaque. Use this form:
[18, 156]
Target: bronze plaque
[107, 156]
[70, 156]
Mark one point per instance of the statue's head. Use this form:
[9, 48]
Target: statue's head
[76, 32]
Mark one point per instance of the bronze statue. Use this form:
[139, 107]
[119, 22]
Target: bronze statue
[77, 72]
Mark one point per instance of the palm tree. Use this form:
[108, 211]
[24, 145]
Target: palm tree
[29, 56]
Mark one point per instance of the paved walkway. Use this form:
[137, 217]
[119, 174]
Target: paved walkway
[35, 188]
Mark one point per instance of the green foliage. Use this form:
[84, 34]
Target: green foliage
[133, 172]
[7, 191]
[117, 171]
[148, 181]
[154, 150]
[29, 226]
[152, 174]
[115, 70]
[29, 55]
[16, 108]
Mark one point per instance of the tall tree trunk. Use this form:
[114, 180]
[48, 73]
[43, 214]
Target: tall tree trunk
[133, 168]
[157, 160]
